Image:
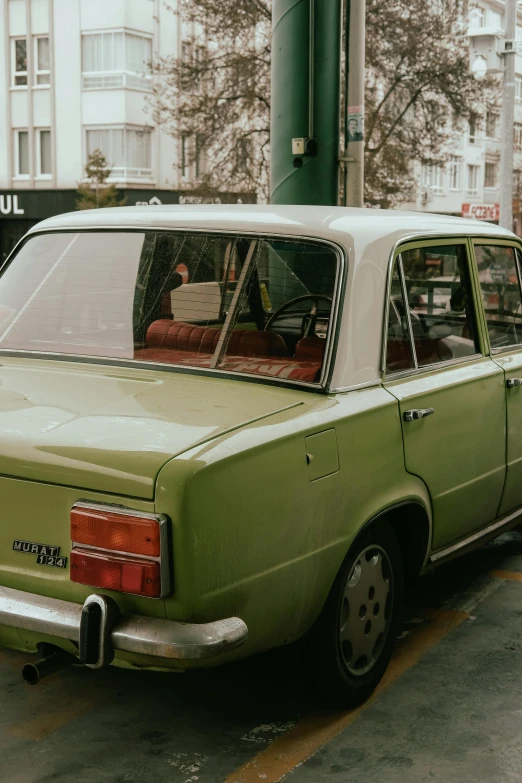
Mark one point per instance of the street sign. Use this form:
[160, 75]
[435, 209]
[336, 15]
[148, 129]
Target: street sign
[481, 211]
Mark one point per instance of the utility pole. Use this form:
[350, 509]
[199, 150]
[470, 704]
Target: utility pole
[508, 117]
[353, 157]
[305, 104]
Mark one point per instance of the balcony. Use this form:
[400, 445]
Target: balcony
[116, 80]
[493, 147]
[125, 173]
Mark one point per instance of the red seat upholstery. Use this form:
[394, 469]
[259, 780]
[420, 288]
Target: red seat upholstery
[201, 339]
[245, 342]
[177, 335]
[248, 351]
[310, 349]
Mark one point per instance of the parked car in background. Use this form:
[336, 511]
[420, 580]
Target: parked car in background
[224, 429]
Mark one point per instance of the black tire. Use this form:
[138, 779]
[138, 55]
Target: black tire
[335, 681]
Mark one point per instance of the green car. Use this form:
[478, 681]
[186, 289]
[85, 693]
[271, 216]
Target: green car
[224, 429]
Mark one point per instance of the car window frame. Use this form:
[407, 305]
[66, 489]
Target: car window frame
[497, 242]
[396, 255]
[338, 298]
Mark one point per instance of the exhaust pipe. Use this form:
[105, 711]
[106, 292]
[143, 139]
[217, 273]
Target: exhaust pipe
[33, 672]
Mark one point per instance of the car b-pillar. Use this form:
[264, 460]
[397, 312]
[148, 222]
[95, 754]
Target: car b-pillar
[305, 102]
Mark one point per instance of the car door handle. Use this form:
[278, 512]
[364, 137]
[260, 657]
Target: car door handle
[511, 382]
[418, 413]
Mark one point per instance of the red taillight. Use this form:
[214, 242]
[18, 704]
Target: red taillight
[113, 572]
[120, 550]
[116, 532]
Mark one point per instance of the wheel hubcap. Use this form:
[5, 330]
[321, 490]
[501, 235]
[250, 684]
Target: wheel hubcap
[366, 610]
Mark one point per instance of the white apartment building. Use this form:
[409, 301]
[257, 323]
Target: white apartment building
[468, 184]
[75, 76]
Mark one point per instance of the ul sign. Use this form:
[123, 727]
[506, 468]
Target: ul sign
[9, 205]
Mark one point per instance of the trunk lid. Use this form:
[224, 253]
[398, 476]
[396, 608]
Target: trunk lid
[79, 431]
[111, 429]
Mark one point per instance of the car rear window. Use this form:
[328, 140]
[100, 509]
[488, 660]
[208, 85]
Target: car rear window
[239, 304]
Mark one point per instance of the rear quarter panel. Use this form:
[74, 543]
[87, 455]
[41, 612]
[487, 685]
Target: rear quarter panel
[254, 537]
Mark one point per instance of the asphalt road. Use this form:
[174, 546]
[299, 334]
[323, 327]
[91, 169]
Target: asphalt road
[450, 708]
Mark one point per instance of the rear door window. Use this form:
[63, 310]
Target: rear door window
[431, 317]
[499, 276]
[440, 302]
[399, 345]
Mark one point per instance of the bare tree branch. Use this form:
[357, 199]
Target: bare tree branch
[419, 92]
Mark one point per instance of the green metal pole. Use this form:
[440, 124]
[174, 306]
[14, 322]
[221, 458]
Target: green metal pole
[306, 53]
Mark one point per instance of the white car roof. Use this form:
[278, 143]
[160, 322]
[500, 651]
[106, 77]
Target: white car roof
[368, 237]
[326, 222]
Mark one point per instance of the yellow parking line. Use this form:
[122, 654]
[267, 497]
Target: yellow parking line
[514, 576]
[314, 731]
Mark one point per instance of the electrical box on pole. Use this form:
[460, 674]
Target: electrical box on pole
[485, 50]
[305, 104]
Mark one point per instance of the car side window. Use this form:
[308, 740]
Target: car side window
[440, 303]
[399, 353]
[499, 276]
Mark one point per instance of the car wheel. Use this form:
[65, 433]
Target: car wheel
[352, 642]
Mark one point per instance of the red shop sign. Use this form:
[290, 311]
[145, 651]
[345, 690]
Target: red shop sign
[481, 211]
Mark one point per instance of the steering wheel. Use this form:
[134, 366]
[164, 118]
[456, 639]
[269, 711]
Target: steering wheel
[312, 316]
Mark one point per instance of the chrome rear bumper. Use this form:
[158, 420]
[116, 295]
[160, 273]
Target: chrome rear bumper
[136, 634]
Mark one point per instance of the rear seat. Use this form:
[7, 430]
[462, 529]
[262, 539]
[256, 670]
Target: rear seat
[201, 339]
[250, 351]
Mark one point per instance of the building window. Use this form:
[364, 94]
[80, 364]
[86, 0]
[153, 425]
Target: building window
[111, 60]
[127, 150]
[42, 60]
[187, 74]
[433, 178]
[474, 129]
[455, 167]
[19, 62]
[201, 156]
[199, 75]
[490, 175]
[185, 156]
[473, 175]
[477, 17]
[517, 182]
[517, 140]
[138, 55]
[244, 155]
[491, 125]
[43, 153]
[21, 150]
[186, 51]
[495, 19]
[518, 88]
